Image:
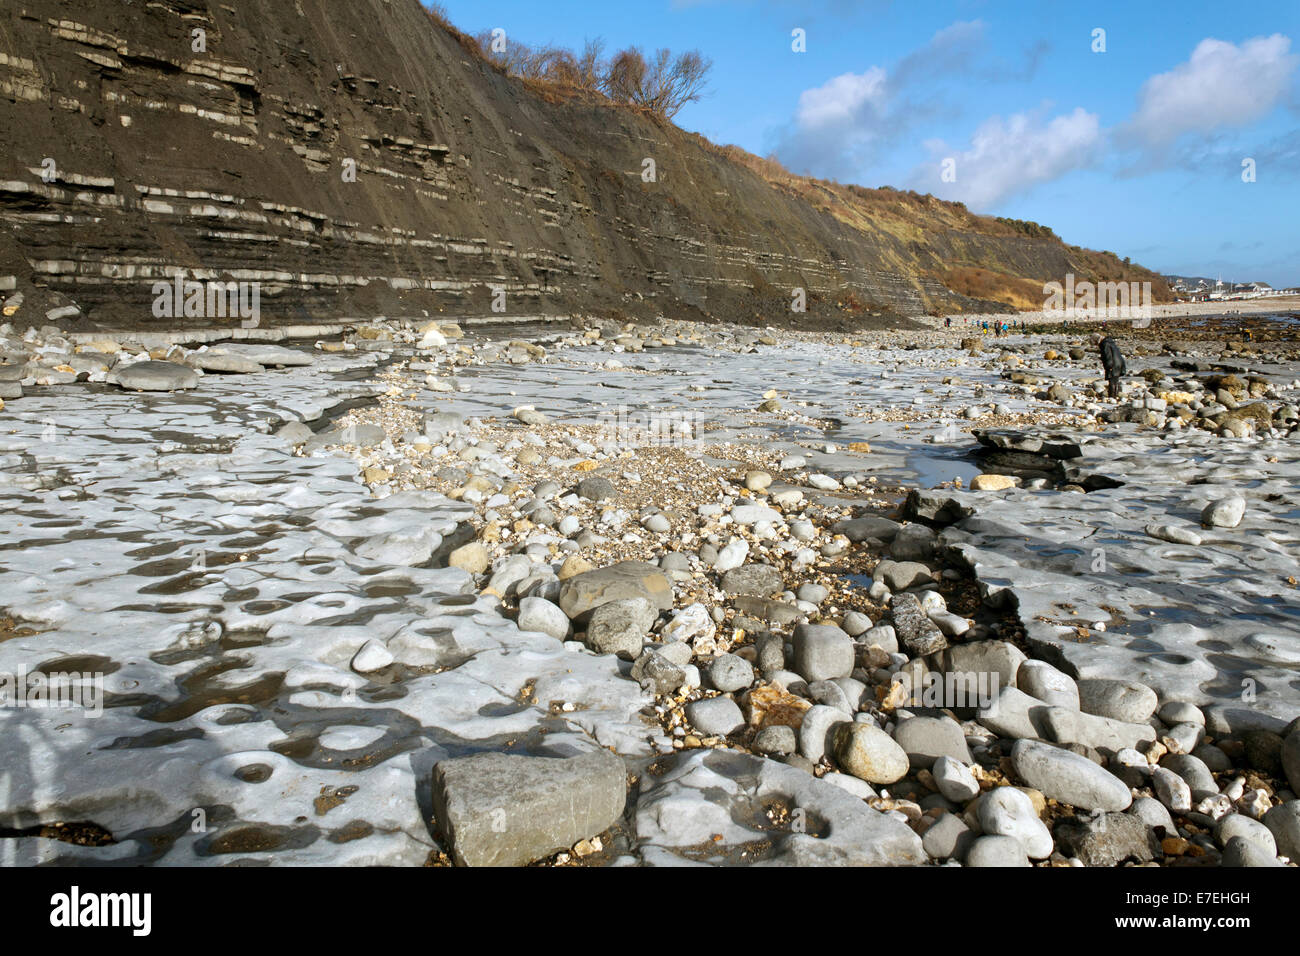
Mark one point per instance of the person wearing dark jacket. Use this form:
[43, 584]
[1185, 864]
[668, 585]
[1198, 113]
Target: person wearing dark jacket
[1112, 362]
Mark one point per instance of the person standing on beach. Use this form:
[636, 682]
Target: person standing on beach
[1112, 363]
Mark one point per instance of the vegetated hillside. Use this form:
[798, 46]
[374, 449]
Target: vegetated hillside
[134, 153]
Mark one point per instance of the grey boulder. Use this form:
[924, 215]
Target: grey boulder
[154, 377]
[1068, 777]
[509, 810]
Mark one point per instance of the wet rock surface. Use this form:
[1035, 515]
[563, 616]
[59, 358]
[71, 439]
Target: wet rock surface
[316, 590]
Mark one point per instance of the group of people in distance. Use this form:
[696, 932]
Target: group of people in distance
[1112, 359]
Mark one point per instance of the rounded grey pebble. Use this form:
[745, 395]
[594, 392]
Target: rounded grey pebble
[1283, 821]
[1192, 769]
[855, 623]
[715, 716]
[996, 851]
[1213, 757]
[1240, 825]
[777, 740]
[812, 593]
[1154, 814]
[1240, 851]
[729, 673]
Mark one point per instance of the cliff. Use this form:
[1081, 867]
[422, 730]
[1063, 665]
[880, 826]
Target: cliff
[135, 152]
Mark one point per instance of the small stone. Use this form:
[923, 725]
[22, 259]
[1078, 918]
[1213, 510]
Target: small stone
[996, 851]
[154, 377]
[1123, 700]
[574, 565]
[1041, 680]
[472, 557]
[539, 614]
[595, 488]
[1008, 811]
[1175, 534]
[731, 556]
[947, 838]
[1177, 712]
[581, 594]
[1109, 839]
[913, 542]
[1225, 513]
[715, 716]
[815, 730]
[1283, 821]
[994, 658]
[1192, 769]
[759, 580]
[901, 575]
[1154, 814]
[657, 523]
[869, 753]
[729, 673]
[855, 623]
[1171, 790]
[926, 739]
[620, 627]
[992, 482]
[955, 780]
[822, 652]
[771, 706]
[812, 593]
[509, 810]
[1239, 825]
[691, 623]
[1240, 851]
[915, 630]
[776, 740]
[372, 656]
[1068, 777]
[656, 672]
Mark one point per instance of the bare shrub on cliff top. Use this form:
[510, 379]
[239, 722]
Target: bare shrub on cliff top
[661, 84]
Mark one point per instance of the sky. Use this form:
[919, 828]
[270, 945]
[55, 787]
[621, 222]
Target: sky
[1168, 132]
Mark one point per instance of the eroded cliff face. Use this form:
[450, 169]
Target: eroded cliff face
[133, 153]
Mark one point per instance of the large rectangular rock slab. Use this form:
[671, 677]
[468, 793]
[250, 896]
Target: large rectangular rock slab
[583, 593]
[509, 810]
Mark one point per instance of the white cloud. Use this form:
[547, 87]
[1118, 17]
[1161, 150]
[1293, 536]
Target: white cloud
[1013, 155]
[838, 126]
[1222, 84]
[843, 101]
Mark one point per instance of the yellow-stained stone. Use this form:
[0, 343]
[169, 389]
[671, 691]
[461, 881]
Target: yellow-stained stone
[992, 482]
[573, 565]
[771, 706]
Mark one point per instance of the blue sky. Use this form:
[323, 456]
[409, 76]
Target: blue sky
[1138, 149]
